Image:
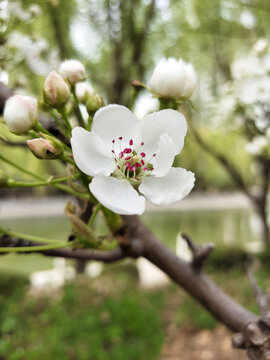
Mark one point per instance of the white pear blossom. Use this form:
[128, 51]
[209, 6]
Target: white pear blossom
[173, 78]
[129, 158]
[21, 113]
[73, 71]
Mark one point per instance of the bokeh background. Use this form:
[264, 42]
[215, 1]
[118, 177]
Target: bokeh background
[129, 310]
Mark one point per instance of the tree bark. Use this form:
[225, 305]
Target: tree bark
[209, 295]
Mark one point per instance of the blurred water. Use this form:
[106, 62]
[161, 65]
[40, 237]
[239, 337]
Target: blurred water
[226, 228]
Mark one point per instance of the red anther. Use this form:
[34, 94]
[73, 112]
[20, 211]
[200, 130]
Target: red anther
[152, 169]
[145, 168]
[118, 167]
[142, 143]
[113, 141]
[127, 158]
[138, 164]
[154, 155]
[127, 150]
[142, 162]
[142, 154]
[113, 151]
[121, 154]
[120, 138]
[130, 142]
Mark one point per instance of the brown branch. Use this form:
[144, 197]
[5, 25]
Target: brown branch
[229, 167]
[200, 252]
[81, 254]
[218, 303]
[261, 297]
[5, 93]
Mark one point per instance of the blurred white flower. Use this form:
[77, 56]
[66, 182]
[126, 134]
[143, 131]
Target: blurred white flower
[32, 51]
[247, 67]
[258, 145]
[20, 113]
[173, 78]
[73, 71]
[125, 156]
[260, 47]
[262, 116]
[35, 10]
[15, 10]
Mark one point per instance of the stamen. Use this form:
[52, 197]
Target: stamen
[120, 138]
[145, 169]
[130, 142]
[142, 154]
[142, 143]
[127, 150]
[142, 162]
[113, 141]
[113, 151]
[127, 158]
[154, 155]
[118, 167]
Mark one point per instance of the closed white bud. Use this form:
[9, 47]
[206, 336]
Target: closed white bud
[56, 91]
[84, 90]
[21, 113]
[73, 71]
[173, 79]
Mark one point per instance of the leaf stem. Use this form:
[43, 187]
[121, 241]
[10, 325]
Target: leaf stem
[34, 248]
[78, 110]
[33, 238]
[63, 113]
[94, 214]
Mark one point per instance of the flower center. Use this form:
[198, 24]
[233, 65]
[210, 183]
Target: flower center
[131, 165]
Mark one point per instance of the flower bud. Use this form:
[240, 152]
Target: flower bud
[94, 103]
[56, 91]
[84, 91]
[21, 113]
[173, 79]
[48, 148]
[73, 71]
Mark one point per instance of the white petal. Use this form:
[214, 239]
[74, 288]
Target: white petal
[91, 155]
[168, 189]
[117, 195]
[165, 156]
[151, 127]
[112, 122]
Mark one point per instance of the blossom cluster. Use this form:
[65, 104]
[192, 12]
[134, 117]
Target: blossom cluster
[245, 99]
[127, 160]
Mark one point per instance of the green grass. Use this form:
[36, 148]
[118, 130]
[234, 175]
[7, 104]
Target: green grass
[107, 318]
[83, 324]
